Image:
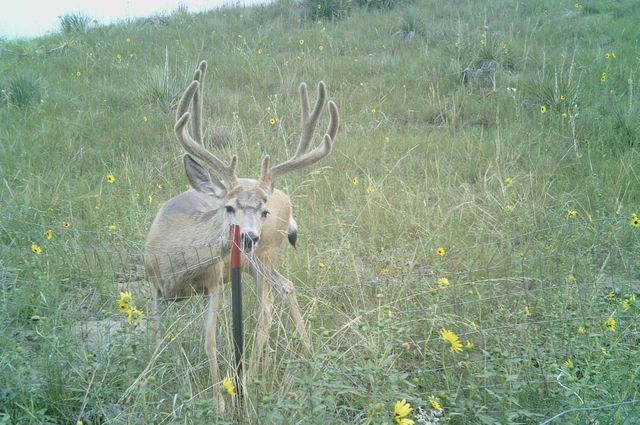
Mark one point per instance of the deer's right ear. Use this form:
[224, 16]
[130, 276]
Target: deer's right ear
[201, 180]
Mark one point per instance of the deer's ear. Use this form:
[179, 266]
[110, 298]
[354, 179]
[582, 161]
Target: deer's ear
[201, 180]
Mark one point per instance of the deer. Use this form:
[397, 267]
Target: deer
[187, 248]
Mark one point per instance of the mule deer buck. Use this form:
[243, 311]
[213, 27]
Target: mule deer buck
[187, 249]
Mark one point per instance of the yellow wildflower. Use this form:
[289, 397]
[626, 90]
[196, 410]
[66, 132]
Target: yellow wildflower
[508, 181]
[610, 325]
[301, 42]
[35, 248]
[125, 297]
[370, 190]
[441, 251]
[603, 77]
[134, 315]
[572, 213]
[48, 234]
[443, 283]
[66, 224]
[454, 342]
[401, 410]
[322, 265]
[435, 404]
[273, 121]
[229, 387]
[567, 363]
[355, 181]
[123, 307]
[110, 178]
[469, 345]
[543, 109]
[527, 312]
[581, 330]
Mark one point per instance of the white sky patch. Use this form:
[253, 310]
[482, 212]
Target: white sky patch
[33, 18]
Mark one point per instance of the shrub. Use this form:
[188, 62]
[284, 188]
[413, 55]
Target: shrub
[326, 9]
[74, 23]
[410, 27]
[22, 90]
[382, 4]
[161, 87]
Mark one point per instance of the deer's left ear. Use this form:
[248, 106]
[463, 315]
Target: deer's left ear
[201, 180]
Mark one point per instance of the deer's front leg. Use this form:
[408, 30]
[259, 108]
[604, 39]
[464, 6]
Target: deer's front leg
[285, 288]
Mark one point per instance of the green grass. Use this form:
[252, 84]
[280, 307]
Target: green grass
[485, 174]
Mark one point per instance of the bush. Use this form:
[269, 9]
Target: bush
[22, 90]
[382, 4]
[326, 9]
[161, 87]
[74, 23]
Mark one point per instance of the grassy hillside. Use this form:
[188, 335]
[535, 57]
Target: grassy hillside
[503, 215]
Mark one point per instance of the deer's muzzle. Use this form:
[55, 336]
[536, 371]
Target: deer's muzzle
[249, 240]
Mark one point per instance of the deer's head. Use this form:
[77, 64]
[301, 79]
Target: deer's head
[243, 203]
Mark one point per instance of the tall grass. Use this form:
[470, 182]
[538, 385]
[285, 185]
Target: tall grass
[530, 189]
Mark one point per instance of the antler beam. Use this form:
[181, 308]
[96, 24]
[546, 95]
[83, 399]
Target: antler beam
[302, 158]
[195, 146]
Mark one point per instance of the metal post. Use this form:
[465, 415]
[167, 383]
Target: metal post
[236, 305]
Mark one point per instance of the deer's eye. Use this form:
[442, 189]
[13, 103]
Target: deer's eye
[265, 213]
[229, 209]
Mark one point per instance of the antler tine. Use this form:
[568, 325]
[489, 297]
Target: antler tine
[196, 149]
[309, 121]
[196, 124]
[302, 158]
[334, 120]
[185, 100]
[265, 175]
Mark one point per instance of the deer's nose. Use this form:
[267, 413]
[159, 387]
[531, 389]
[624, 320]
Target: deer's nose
[250, 240]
